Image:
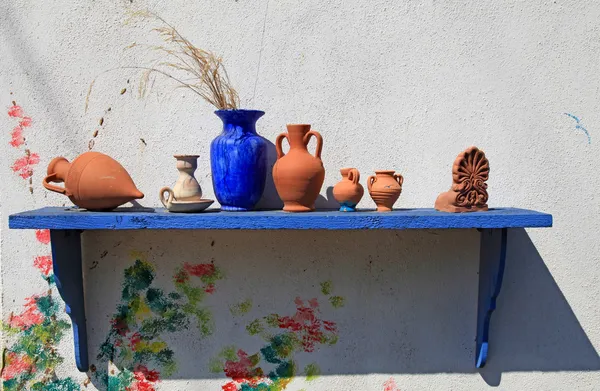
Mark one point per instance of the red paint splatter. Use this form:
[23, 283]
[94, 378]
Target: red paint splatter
[15, 111]
[390, 385]
[29, 317]
[120, 326]
[231, 386]
[141, 383]
[150, 375]
[44, 264]
[243, 370]
[181, 277]
[24, 165]
[43, 235]
[210, 288]
[306, 323]
[134, 340]
[16, 137]
[16, 365]
[25, 122]
[200, 270]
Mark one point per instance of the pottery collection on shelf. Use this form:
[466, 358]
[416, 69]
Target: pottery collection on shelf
[238, 158]
[385, 188]
[93, 181]
[186, 195]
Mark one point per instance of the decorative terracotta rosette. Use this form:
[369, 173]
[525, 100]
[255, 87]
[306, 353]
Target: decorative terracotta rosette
[468, 193]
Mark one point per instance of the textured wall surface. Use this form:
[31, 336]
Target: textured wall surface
[402, 85]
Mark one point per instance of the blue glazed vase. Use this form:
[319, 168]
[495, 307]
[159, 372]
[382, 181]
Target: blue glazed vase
[238, 160]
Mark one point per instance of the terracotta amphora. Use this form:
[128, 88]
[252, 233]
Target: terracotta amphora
[385, 188]
[93, 181]
[348, 191]
[298, 175]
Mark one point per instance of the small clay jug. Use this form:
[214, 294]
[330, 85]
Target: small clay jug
[93, 181]
[298, 175]
[348, 191]
[385, 188]
[187, 187]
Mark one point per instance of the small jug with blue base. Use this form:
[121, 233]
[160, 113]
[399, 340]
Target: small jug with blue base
[348, 192]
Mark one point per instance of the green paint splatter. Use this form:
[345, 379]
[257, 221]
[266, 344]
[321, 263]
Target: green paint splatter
[255, 327]
[145, 313]
[241, 308]
[326, 287]
[312, 371]
[67, 384]
[337, 301]
[286, 336]
[137, 278]
[215, 365]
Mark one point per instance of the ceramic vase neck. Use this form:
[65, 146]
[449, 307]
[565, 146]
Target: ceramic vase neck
[296, 135]
[60, 167]
[243, 121]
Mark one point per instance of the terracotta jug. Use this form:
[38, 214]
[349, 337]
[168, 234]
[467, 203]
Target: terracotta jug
[298, 175]
[93, 181]
[348, 191]
[187, 187]
[385, 188]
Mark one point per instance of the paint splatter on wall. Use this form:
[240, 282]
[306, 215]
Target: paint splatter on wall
[580, 127]
[24, 165]
[135, 343]
[390, 385]
[31, 360]
[274, 366]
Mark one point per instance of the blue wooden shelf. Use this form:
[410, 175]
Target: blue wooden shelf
[125, 218]
[67, 224]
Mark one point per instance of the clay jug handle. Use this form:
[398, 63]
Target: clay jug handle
[168, 201]
[278, 145]
[354, 176]
[60, 190]
[399, 178]
[319, 141]
[370, 181]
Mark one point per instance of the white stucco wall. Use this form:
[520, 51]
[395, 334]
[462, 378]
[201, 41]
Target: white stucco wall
[402, 85]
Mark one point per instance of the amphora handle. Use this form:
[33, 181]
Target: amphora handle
[319, 141]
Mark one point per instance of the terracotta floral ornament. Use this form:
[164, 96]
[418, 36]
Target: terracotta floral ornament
[298, 175]
[469, 191]
[348, 191]
[93, 181]
[385, 188]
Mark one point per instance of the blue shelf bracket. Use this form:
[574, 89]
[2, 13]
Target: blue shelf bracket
[492, 260]
[68, 275]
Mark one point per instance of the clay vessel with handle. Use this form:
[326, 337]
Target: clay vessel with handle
[348, 192]
[385, 188]
[92, 181]
[298, 175]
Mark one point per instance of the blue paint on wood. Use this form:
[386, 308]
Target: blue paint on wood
[68, 274]
[122, 218]
[238, 160]
[492, 260]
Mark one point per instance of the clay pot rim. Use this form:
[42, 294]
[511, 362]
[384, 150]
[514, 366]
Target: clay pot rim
[239, 111]
[298, 125]
[184, 156]
[346, 170]
[385, 171]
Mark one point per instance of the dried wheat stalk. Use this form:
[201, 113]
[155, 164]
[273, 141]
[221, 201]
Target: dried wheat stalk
[206, 73]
